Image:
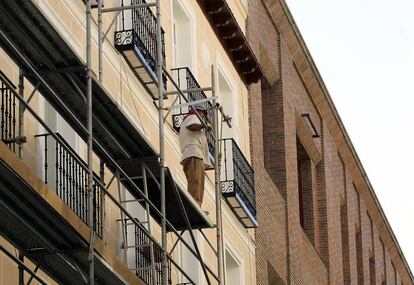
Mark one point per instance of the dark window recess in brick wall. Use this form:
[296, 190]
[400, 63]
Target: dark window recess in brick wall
[345, 243]
[372, 270]
[384, 282]
[372, 266]
[359, 252]
[305, 191]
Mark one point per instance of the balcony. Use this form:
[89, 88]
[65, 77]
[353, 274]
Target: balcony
[136, 39]
[237, 183]
[139, 255]
[66, 173]
[45, 215]
[186, 81]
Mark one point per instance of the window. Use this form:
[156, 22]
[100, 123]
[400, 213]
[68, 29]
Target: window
[182, 37]
[228, 102]
[384, 261]
[345, 242]
[372, 269]
[360, 271]
[189, 263]
[232, 269]
[359, 248]
[344, 226]
[47, 152]
[133, 236]
[305, 190]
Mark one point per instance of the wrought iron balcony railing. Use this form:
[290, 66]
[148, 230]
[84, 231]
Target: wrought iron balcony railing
[69, 177]
[137, 31]
[68, 172]
[8, 111]
[237, 183]
[144, 268]
[186, 81]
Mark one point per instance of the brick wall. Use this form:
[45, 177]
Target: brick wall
[271, 235]
[339, 242]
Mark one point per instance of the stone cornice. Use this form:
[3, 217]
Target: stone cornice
[286, 25]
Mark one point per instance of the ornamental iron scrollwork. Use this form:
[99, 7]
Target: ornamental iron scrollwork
[138, 28]
[238, 175]
[227, 186]
[124, 38]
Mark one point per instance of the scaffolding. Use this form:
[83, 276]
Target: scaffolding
[159, 80]
[137, 175]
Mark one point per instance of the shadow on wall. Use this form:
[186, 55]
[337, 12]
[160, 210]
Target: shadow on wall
[273, 277]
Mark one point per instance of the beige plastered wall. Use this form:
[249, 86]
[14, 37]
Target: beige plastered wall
[68, 17]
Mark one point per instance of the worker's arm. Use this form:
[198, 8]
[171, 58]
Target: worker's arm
[198, 127]
[195, 127]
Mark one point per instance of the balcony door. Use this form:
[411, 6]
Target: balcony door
[47, 152]
[182, 36]
[228, 101]
[182, 44]
[225, 94]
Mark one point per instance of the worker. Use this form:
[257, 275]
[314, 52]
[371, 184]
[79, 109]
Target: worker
[194, 150]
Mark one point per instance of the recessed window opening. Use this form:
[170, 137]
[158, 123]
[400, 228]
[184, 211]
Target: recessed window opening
[53, 158]
[182, 37]
[227, 101]
[189, 262]
[233, 269]
[225, 93]
[305, 191]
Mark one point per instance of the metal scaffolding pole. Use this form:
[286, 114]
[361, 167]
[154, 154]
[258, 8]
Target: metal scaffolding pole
[90, 142]
[21, 132]
[100, 40]
[21, 265]
[164, 265]
[21, 112]
[217, 159]
[21, 269]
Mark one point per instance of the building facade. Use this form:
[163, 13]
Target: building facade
[319, 219]
[316, 216]
[44, 153]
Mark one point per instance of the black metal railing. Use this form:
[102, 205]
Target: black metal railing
[9, 112]
[237, 176]
[186, 81]
[143, 264]
[68, 172]
[138, 29]
[68, 175]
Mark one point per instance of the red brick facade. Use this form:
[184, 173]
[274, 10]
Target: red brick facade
[333, 231]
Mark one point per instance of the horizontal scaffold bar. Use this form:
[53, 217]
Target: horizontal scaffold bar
[121, 8]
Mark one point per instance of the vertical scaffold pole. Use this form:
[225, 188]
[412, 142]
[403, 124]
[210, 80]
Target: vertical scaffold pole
[21, 270]
[21, 112]
[89, 123]
[161, 134]
[217, 160]
[100, 51]
[21, 133]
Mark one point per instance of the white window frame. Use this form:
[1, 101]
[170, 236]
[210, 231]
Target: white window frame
[221, 69]
[237, 257]
[186, 8]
